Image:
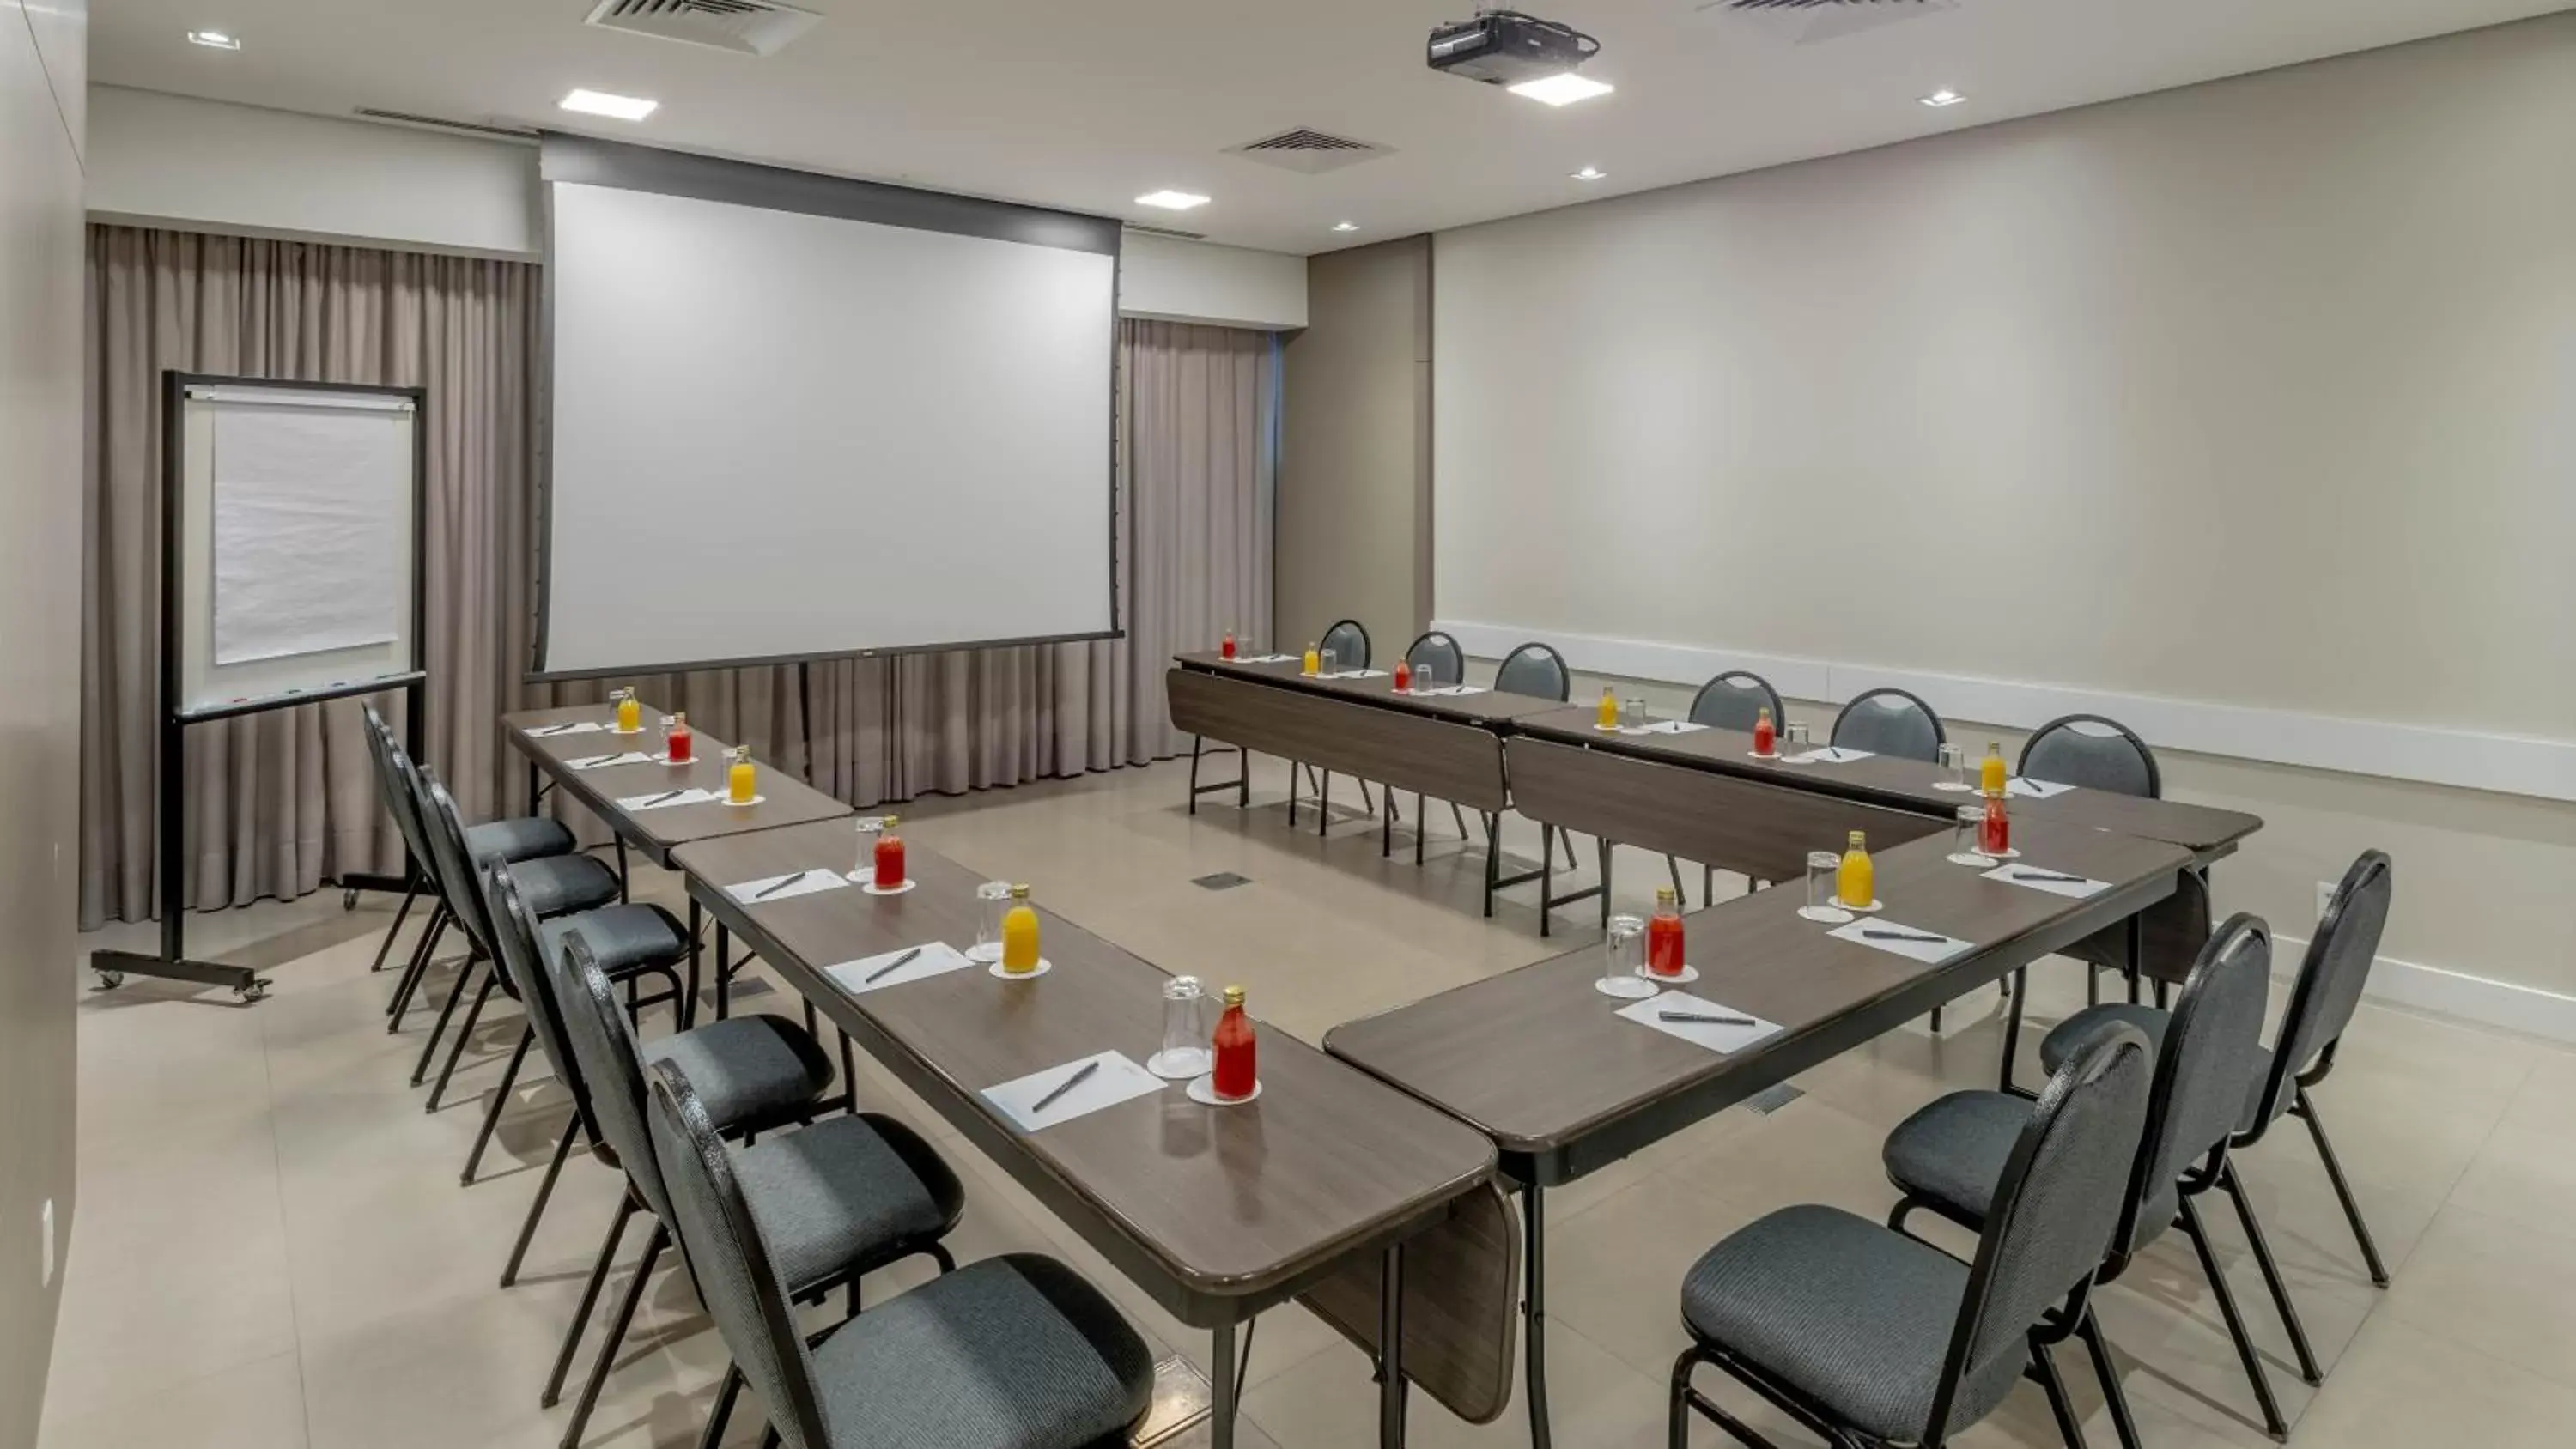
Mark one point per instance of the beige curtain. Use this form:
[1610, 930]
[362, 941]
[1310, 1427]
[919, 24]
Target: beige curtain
[279, 802]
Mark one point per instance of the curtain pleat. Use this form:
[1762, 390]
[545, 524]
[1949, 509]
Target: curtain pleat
[282, 801]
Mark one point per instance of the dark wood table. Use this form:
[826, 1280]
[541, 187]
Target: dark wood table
[785, 800]
[1215, 1212]
[1537, 1059]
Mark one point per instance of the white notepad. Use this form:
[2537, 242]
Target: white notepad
[1830, 755]
[579, 727]
[1719, 1039]
[2035, 789]
[1454, 689]
[603, 762]
[1118, 1079]
[1664, 727]
[667, 799]
[2020, 873]
[1928, 952]
[936, 959]
[800, 883]
[1266, 659]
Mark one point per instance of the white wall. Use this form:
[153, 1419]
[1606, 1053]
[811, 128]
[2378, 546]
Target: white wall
[43, 54]
[213, 166]
[2246, 412]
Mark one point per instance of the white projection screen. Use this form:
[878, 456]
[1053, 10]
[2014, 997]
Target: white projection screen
[797, 417]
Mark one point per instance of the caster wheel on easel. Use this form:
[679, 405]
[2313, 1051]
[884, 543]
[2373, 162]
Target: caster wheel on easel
[256, 991]
[349, 899]
[110, 980]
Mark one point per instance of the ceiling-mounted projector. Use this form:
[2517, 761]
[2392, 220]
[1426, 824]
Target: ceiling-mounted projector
[1506, 47]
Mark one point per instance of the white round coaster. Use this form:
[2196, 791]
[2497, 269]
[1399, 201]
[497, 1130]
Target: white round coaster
[1829, 915]
[665, 759]
[986, 954]
[1689, 975]
[1626, 988]
[744, 804]
[614, 730]
[1842, 905]
[1952, 785]
[872, 888]
[1044, 966]
[1203, 1092]
[1180, 1064]
[1758, 755]
[1973, 861]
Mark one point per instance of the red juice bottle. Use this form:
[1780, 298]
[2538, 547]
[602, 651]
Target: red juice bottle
[1766, 739]
[1403, 676]
[679, 746]
[1664, 935]
[1994, 833]
[889, 857]
[1237, 1071]
[1226, 650]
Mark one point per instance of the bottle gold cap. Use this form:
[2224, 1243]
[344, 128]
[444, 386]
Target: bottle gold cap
[1667, 896]
[679, 717]
[742, 754]
[1234, 996]
[1019, 893]
[1858, 840]
[891, 821]
[1763, 713]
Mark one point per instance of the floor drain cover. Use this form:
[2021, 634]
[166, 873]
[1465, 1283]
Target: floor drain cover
[1773, 1099]
[1224, 880]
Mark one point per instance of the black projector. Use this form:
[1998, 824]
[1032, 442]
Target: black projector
[1505, 47]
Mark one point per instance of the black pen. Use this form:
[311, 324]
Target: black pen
[2050, 875]
[774, 887]
[1906, 936]
[891, 967]
[658, 799]
[1067, 1085]
[1703, 1019]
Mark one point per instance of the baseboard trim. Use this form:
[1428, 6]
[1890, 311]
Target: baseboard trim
[2456, 994]
[2508, 764]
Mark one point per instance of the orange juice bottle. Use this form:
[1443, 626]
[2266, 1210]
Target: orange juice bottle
[1608, 715]
[630, 714]
[1020, 934]
[1314, 661]
[1991, 775]
[742, 781]
[1856, 883]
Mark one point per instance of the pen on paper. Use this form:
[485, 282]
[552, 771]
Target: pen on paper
[891, 967]
[1067, 1085]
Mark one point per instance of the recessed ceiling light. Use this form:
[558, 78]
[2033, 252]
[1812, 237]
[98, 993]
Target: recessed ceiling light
[215, 39]
[1941, 99]
[1346, 226]
[601, 103]
[1562, 89]
[1590, 173]
[1172, 200]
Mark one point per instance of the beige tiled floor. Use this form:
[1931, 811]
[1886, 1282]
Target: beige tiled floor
[272, 1248]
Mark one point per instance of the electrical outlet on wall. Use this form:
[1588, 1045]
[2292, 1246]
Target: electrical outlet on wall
[46, 1278]
[2325, 897]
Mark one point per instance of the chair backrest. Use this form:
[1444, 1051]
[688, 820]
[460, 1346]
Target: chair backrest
[2056, 1205]
[2095, 752]
[522, 954]
[1349, 642]
[2331, 977]
[452, 866]
[1733, 700]
[1441, 654]
[726, 1254]
[394, 777]
[612, 1066]
[1535, 670]
[1890, 722]
[2204, 1072]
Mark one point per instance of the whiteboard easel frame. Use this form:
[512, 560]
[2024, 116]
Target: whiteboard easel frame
[170, 807]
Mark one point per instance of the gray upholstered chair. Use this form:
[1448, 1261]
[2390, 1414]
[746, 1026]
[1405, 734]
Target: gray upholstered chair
[1948, 1157]
[837, 1200]
[1866, 1336]
[525, 838]
[1735, 701]
[2323, 999]
[1440, 654]
[1349, 642]
[1890, 722]
[2095, 752]
[1536, 670]
[1015, 1352]
[555, 885]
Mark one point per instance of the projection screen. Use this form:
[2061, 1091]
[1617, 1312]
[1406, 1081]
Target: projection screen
[794, 416]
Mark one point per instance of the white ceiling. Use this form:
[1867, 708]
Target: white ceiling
[1088, 105]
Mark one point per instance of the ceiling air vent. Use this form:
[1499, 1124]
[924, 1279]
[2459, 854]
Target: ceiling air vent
[747, 27]
[1174, 232]
[441, 123]
[1309, 151]
[1807, 22]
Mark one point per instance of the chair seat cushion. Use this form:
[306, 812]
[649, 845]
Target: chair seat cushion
[624, 938]
[846, 1195]
[528, 838]
[1838, 1308]
[1014, 1352]
[559, 884]
[2070, 1034]
[750, 1071]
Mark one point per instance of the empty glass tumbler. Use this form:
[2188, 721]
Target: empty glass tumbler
[1797, 739]
[1623, 959]
[992, 902]
[1186, 1032]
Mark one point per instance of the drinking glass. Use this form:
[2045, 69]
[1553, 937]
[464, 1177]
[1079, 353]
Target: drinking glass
[1426, 677]
[1954, 768]
[992, 902]
[1327, 665]
[1963, 836]
[1634, 715]
[1186, 1032]
[1798, 739]
[869, 827]
[1821, 868]
[1623, 959]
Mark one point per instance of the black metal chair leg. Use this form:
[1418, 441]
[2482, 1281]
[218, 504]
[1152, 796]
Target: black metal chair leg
[2069, 1427]
[726, 1393]
[1460, 816]
[2273, 1423]
[2305, 1107]
[617, 1325]
[1707, 886]
[2115, 1397]
[402, 913]
[2017, 987]
[2234, 1187]
[500, 1100]
[464, 1034]
[553, 1390]
[537, 1208]
[413, 974]
[1421, 827]
[455, 994]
